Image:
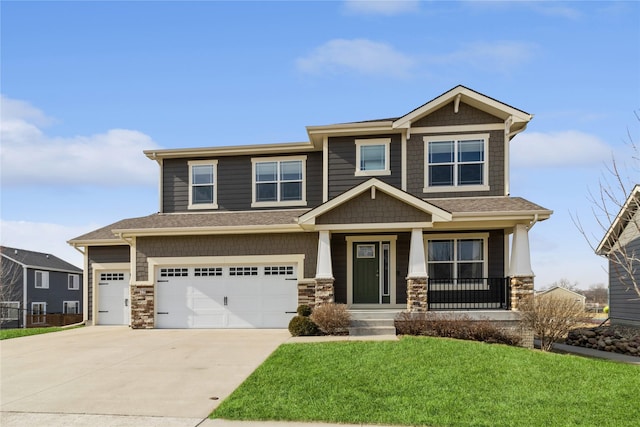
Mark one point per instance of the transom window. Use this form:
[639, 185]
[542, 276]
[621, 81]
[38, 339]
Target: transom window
[372, 157]
[456, 258]
[456, 162]
[279, 181]
[42, 280]
[74, 282]
[202, 184]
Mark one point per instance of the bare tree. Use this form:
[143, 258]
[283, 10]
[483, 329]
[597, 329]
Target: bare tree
[565, 283]
[10, 284]
[551, 317]
[615, 195]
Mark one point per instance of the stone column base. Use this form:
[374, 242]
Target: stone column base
[324, 291]
[142, 306]
[417, 294]
[521, 289]
[307, 292]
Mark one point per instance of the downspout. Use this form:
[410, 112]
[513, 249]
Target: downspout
[533, 222]
[24, 296]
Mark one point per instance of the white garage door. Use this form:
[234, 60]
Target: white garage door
[247, 296]
[113, 298]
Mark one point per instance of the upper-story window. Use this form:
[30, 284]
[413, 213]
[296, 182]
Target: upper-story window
[73, 282]
[372, 157]
[279, 181]
[455, 163]
[203, 184]
[42, 279]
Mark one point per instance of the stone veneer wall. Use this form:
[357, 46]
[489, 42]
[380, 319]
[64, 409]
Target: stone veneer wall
[324, 291]
[521, 288]
[307, 292]
[142, 306]
[417, 294]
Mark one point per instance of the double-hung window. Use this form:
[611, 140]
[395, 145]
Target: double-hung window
[74, 282]
[457, 259]
[372, 157]
[42, 279]
[71, 307]
[456, 163]
[279, 181]
[203, 184]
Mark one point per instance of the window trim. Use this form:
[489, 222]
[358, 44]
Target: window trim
[75, 286]
[456, 187]
[278, 203]
[10, 306]
[455, 237]
[386, 142]
[42, 317]
[214, 165]
[44, 279]
[64, 307]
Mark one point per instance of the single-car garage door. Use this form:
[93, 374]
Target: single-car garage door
[113, 298]
[245, 296]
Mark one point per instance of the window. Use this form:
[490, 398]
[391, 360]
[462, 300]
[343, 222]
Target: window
[456, 163]
[279, 181]
[42, 279]
[174, 272]
[456, 258]
[9, 310]
[280, 270]
[38, 312]
[202, 184]
[372, 157]
[243, 271]
[71, 307]
[74, 282]
[207, 271]
[111, 276]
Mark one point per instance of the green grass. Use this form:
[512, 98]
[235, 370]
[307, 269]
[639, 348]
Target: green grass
[6, 334]
[435, 382]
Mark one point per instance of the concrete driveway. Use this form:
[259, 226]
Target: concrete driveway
[103, 370]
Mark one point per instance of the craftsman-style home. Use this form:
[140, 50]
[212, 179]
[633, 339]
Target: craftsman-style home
[407, 213]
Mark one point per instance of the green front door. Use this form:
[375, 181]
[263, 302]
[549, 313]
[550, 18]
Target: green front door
[366, 274]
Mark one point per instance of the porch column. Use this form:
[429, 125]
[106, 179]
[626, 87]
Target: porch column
[417, 277]
[520, 267]
[324, 273]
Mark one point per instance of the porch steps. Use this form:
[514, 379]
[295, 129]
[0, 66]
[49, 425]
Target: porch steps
[372, 322]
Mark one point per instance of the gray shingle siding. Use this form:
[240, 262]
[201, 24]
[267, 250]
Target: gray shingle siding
[56, 293]
[342, 164]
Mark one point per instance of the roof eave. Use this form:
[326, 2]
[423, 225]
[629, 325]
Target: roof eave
[255, 149]
[191, 231]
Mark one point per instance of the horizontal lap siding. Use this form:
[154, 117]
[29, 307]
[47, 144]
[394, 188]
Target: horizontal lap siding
[234, 182]
[624, 302]
[57, 292]
[227, 245]
[342, 164]
[103, 255]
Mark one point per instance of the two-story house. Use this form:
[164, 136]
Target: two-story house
[37, 287]
[407, 213]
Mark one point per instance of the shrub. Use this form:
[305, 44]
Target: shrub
[331, 318]
[301, 326]
[459, 326]
[304, 310]
[551, 317]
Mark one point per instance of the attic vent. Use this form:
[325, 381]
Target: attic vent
[15, 251]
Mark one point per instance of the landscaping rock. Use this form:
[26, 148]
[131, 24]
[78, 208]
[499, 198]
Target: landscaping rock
[607, 338]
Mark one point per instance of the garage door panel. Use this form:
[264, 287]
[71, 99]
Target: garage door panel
[113, 298]
[244, 296]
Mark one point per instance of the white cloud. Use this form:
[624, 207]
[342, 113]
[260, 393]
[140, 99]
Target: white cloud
[381, 7]
[359, 55]
[44, 237]
[558, 149]
[499, 56]
[30, 156]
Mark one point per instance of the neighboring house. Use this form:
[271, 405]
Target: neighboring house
[36, 285]
[560, 292]
[621, 245]
[407, 213]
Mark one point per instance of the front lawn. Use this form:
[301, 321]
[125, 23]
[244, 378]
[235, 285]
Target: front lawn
[6, 334]
[435, 382]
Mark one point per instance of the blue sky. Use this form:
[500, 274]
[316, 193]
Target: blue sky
[86, 86]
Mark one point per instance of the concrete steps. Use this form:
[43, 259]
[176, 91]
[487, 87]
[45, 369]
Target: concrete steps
[372, 322]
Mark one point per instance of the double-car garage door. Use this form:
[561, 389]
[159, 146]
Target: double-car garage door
[238, 296]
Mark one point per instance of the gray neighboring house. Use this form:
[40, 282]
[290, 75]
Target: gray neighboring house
[409, 213]
[36, 284]
[621, 245]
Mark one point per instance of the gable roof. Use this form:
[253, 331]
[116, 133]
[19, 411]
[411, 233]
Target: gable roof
[556, 288]
[626, 214]
[40, 260]
[438, 214]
